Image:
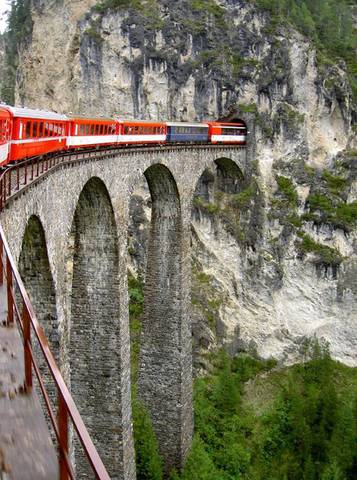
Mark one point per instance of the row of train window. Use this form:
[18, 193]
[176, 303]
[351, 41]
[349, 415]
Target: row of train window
[97, 129]
[199, 130]
[4, 130]
[233, 131]
[33, 129]
[146, 130]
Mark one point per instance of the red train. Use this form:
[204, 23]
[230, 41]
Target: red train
[27, 133]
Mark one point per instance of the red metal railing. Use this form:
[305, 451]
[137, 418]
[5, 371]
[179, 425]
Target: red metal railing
[23, 173]
[67, 410]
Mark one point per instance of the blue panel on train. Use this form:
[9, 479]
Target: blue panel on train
[187, 133]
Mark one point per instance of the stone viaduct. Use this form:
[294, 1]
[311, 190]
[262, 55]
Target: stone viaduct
[68, 233]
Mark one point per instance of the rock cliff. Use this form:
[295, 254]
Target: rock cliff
[275, 262]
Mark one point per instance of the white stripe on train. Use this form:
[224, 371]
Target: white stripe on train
[228, 138]
[4, 150]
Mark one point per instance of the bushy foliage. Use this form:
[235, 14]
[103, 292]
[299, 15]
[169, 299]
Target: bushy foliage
[307, 429]
[148, 460]
[287, 190]
[325, 255]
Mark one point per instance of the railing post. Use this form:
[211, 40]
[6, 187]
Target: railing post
[25, 181]
[27, 348]
[63, 437]
[18, 177]
[9, 183]
[10, 300]
[1, 193]
[1, 260]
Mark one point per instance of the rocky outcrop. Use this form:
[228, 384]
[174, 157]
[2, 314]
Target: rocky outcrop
[2, 58]
[278, 264]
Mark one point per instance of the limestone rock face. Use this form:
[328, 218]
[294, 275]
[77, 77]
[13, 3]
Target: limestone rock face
[256, 288]
[2, 57]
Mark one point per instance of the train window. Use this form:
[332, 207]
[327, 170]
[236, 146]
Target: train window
[2, 130]
[100, 130]
[28, 130]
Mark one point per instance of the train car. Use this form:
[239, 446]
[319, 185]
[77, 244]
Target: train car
[5, 135]
[35, 132]
[187, 132]
[141, 132]
[87, 132]
[224, 132]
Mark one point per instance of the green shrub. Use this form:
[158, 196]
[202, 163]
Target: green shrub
[325, 255]
[209, 207]
[136, 308]
[148, 460]
[320, 202]
[287, 189]
[244, 198]
[336, 184]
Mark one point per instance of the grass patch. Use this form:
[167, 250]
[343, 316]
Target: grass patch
[94, 35]
[335, 183]
[287, 190]
[327, 256]
[244, 198]
[209, 207]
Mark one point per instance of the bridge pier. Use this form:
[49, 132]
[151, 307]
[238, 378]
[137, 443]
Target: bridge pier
[165, 371]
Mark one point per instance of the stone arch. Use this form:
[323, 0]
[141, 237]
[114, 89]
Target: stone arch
[95, 327]
[165, 379]
[223, 177]
[214, 220]
[35, 271]
[229, 175]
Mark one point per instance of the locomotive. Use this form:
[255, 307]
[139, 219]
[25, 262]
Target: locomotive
[26, 132]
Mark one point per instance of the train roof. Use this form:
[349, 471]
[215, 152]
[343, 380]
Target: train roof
[142, 122]
[186, 124]
[85, 117]
[229, 124]
[33, 113]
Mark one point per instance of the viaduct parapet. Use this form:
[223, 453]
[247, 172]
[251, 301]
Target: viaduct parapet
[68, 234]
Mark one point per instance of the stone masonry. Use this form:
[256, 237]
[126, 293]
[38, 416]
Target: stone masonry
[83, 209]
